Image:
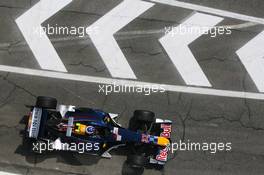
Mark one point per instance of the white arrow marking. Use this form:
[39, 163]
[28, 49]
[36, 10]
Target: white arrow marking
[104, 40]
[252, 57]
[176, 46]
[39, 43]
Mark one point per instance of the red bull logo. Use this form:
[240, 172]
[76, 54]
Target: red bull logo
[166, 130]
[163, 154]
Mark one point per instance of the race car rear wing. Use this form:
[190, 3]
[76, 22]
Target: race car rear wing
[165, 131]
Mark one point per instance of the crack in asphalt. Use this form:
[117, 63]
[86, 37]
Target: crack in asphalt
[81, 63]
[5, 78]
[183, 120]
[228, 120]
[188, 114]
[218, 59]
[140, 52]
[93, 14]
[245, 100]
[168, 98]
[10, 7]
[100, 15]
[97, 70]
[9, 46]
[82, 13]
[76, 95]
[243, 125]
[188, 117]
[9, 95]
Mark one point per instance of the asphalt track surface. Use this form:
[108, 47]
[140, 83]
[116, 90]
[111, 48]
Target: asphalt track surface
[196, 117]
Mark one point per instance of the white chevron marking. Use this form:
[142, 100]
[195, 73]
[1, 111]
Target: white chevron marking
[252, 57]
[104, 40]
[40, 44]
[176, 46]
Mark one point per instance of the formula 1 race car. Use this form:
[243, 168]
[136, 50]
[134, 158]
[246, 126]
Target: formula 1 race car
[60, 127]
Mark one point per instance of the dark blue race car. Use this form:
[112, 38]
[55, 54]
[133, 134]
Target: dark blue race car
[69, 128]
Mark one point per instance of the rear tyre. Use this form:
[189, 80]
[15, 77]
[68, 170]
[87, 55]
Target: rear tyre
[142, 120]
[144, 116]
[46, 102]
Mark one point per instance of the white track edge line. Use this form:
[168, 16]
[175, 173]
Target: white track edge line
[210, 10]
[7, 173]
[112, 81]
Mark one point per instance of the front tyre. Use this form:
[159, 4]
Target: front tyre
[46, 102]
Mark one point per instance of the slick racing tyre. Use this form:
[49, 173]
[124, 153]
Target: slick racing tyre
[141, 120]
[144, 116]
[46, 102]
[136, 161]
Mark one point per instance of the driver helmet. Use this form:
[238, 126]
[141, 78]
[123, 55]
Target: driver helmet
[90, 130]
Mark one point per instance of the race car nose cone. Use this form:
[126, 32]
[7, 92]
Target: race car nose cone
[162, 141]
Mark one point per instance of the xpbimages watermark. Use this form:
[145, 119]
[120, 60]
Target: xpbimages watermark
[212, 147]
[143, 89]
[80, 147]
[200, 30]
[79, 31]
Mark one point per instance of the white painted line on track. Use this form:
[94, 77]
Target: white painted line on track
[111, 81]
[210, 10]
[105, 42]
[7, 173]
[39, 43]
[176, 46]
[252, 57]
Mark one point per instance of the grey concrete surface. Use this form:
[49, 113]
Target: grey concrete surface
[198, 118]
